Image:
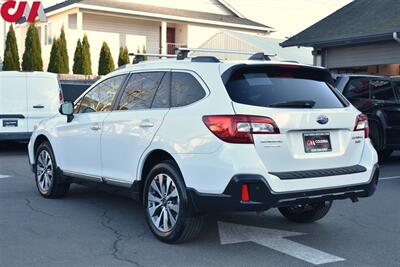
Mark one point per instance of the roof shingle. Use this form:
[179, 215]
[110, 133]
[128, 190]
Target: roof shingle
[359, 22]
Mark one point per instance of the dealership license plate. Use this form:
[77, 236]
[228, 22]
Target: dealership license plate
[317, 142]
[10, 123]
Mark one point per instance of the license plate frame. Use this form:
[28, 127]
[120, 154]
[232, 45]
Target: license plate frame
[10, 123]
[318, 142]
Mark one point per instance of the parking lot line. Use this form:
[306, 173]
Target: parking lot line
[4, 176]
[390, 178]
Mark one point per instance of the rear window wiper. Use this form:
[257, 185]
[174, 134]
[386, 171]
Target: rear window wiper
[294, 104]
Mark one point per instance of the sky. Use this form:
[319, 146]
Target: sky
[288, 17]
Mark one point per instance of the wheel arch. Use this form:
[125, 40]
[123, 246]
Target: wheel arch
[41, 138]
[153, 158]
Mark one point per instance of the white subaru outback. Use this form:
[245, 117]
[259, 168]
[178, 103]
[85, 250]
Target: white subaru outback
[188, 137]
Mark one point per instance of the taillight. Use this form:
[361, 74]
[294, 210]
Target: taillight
[239, 128]
[61, 96]
[362, 124]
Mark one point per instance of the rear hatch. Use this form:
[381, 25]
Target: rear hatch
[13, 103]
[315, 123]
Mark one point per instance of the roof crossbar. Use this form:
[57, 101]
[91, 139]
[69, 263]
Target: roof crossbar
[184, 53]
[139, 57]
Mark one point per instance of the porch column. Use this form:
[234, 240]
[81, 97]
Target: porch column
[163, 37]
[79, 22]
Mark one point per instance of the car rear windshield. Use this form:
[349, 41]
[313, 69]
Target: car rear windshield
[282, 86]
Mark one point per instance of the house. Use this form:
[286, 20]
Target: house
[159, 26]
[360, 37]
[232, 40]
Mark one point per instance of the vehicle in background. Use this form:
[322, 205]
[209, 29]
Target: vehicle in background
[376, 97]
[26, 98]
[73, 89]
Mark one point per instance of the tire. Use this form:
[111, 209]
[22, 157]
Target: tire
[306, 213]
[49, 182]
[385, 154]
[375, 136]
[181, 225]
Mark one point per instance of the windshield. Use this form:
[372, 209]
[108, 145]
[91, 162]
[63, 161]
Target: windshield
[283, 86]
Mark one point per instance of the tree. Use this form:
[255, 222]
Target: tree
[123, 57]
[86, 57]
[106, 61]
[11, 57]
[55, 57]
[77, 68]
[144, 52]
[32, 58]
[64, 60]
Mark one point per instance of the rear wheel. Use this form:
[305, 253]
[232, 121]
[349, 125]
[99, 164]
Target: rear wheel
[306, 213]
[48, 181]
[166, 205]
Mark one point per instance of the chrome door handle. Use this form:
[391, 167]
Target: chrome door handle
[146, 124]
[95, 127]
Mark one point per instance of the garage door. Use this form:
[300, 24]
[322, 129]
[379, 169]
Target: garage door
[362, 55]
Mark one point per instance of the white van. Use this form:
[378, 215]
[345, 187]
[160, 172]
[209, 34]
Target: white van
[26, 98]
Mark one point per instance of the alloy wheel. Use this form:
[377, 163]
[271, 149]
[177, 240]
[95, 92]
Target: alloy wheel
[163, 203]
[44, 171]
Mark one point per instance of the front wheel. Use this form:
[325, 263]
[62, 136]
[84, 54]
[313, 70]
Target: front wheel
[166, 205]
[48, 181]
[307, 213]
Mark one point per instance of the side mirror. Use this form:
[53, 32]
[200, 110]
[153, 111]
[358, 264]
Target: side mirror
[67, 109]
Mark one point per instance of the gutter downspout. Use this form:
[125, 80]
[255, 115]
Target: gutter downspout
[396, 37]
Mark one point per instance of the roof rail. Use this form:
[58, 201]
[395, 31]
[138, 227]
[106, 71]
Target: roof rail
[139, 57]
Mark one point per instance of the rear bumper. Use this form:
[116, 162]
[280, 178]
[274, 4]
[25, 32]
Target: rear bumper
[15, 136]
[263, 198]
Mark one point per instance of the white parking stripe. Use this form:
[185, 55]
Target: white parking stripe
[390, 178]
[4, 176]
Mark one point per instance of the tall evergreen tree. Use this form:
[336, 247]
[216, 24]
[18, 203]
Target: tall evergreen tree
[55, 61]
[144, 52]
[11, 57]
[86, 57]
[106, 61]
[62, 45]
[77, 68]
[32, 58]
[123, 57]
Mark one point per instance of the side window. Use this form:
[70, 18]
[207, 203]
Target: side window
[101, 97]
[185, 89]
[382, 90]
[140, 90]
[357, 88]
[162, 97]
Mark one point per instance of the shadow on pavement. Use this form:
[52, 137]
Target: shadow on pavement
[15, 148]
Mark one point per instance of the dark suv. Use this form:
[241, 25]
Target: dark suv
[377, 97]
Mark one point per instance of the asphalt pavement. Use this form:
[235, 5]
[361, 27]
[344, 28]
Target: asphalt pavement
[96, 228]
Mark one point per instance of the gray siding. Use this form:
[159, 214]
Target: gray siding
[362, 55]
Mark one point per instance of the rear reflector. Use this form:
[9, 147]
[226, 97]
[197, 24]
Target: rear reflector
[362, 124]
[245, 193]
[239, 129]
